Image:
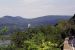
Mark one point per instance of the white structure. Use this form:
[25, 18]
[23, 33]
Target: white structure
[29, 25]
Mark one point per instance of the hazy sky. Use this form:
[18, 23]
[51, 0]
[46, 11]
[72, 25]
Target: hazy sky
[36, 8]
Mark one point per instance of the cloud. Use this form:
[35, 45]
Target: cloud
[36, 8]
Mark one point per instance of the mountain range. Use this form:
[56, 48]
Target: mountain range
[21, 23]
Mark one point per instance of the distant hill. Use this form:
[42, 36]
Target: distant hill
[14, 23]
[50, 19]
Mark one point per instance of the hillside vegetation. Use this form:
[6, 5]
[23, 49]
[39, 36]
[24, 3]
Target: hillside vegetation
[44, 37]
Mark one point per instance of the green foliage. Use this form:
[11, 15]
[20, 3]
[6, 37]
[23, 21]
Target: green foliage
[18, 39]
[41, 38]
[3, 30]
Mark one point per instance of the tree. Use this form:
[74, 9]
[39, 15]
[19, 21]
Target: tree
[4, 30]
[18, 39]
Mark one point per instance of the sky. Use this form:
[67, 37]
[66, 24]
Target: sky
[36, 8]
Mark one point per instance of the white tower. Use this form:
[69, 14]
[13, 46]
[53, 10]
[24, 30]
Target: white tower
[29, 25]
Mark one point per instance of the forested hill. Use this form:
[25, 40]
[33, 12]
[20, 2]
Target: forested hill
[50, 19]
[18, 22]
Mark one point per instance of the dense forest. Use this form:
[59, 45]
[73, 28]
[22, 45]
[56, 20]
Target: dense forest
[46, 37]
